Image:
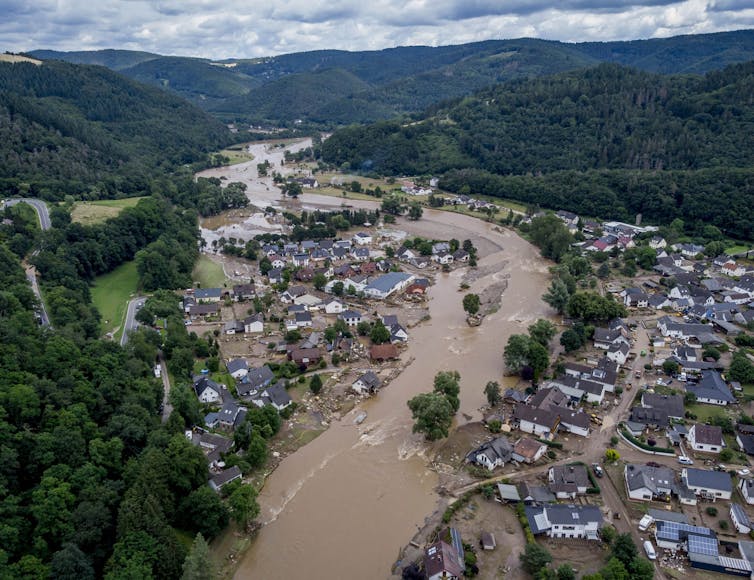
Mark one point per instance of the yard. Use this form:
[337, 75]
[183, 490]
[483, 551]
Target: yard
[237, 154]
[93, 212]
[208, 274]
[111, 293]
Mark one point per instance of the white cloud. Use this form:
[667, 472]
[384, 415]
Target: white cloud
[239, 28]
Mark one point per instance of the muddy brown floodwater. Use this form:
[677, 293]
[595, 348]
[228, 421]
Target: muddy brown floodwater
[342, 506]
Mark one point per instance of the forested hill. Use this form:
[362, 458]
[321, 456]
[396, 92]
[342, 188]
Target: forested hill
[630, 141]
[397, 81]
[67, 128]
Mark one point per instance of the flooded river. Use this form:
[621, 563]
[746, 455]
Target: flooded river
[343, 506]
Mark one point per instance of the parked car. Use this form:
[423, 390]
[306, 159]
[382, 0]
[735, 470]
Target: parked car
[685, 460]
[744, 472]
[597, 470]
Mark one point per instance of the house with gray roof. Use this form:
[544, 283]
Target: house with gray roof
[237, 368]
[706, 438]
[707, 484]
[740, 518]
[495, 453]
[254, 381]
[207, 390]
[534, 494]
[387, 284]
[508, 492]
[671, 405]
[208, 294]
[369, 382]
[217, 481]
[648, 483]
[565, 521]
[746, 486]
[652, 418]
[711, 389]
[568, 481]
[745, 443]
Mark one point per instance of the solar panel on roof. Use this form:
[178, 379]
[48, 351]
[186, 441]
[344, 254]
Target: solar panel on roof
[675, 531]
[703, 545]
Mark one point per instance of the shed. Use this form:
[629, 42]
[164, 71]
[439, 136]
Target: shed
[488, 541]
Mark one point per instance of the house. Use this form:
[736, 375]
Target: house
[307, 182]
[254, 323]
[208, 294]
[618, 353]
[495, 453]
[740, 518]
[212, 445]
[746, 486]
[233, 327]
[290, 295]
[535, 494]
[237, 368]
[648, 483]
[657, 243]
[387, 284]
[540, 422]
[334, 307]
[565, 521]
[733, 269]
[635, 298]
[244, 292]
[745, 443]
[304, 274]
[706, 438]
[367, 383]
[277, 396]
[254, 381]
[508, 492]
[443, 258]
[575, 422]
[568, 481]
[443, 562]
[710, 485]
[569, 218]
[526, 450]
[383, 352]
[303, 320]
[305, 357]
[579, 388]
[360, 254]
[362, 238]
[230, 415]
[671, 405]
[461, 255]
[275, 275]
[711, 389]
[208, 390]
[350, 317]
[217, 481]
[203, 310]
[652, 418]
[604, 338]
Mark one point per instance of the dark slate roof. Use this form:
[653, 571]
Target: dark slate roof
[711, 386]
[573, 514]
[567, 478]
[541, 417]
[226, 475]
[537, 493]
[708, 434]
[649, 416]
[255, 379]
[237, 365]
[497, 448]
[671, 405]
[719, 480]
[370, 380]
[278, 395]
[653, 478]
[549, 397]
[747, 443]
[741, 515]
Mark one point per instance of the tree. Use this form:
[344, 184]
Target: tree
[565, 572]
[615, 570]
[641, 569]
[392, 205]
[516, 352]
[611, 455]
[557, 295]
[379, 333]
[624, 549]
[471, 304]
[71, 563]
[256, 452]
[292, 189]
[315, 384]
[552, 237]
[203, 510]
[243, 505]
[539, 358]
[535, 558]
[432, 414]
[198, 564]
[319, 280]
[608, 534]
[337, 288]
[741, 369]
[589, 306]
[492, 392]
[447, 383]
[670, 367]
[571, 340]
[689, 398]
[415, 211]
[604, 270]
[363, 328]
[542, 331]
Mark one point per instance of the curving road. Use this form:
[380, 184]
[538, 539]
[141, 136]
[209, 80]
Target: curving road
[31, 274]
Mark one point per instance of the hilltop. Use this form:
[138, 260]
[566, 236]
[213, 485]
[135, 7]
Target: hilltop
[397, 81]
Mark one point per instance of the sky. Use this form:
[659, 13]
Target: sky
[220, 29]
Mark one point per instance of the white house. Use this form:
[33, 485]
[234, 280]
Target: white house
[647, 483]
[733, 269]
[238, 368]
[387, 284]
[568, 481]
[495, 453]
[350, 317]
[618, 353]
[367, 383]
[208, 390]
[334, 307]
[254, 323]
[710, 485]
[740, 518]
[565, 521]
[539, 422]
[746, 486]
[705, 438]
[526, 450]
[362, 238]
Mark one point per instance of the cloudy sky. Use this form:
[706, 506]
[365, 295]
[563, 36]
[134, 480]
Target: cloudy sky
[251, 28]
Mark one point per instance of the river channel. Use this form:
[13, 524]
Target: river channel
[343, 505]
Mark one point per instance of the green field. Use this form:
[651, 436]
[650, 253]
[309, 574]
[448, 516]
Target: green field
[93, 212]
[737, 249]
[208, 274]
[111, 294]
[237, 154]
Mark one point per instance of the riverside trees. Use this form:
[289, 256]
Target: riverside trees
[433, 412]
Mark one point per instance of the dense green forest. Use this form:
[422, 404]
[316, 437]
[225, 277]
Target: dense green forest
[86, 131]
[332, 87]
[608, 141]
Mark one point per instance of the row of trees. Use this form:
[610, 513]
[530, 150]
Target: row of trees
[433, 412]
[527, 355]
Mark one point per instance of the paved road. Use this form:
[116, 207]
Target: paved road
[167, 408]
[31, 274]
[130, 323]
[39, 206]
